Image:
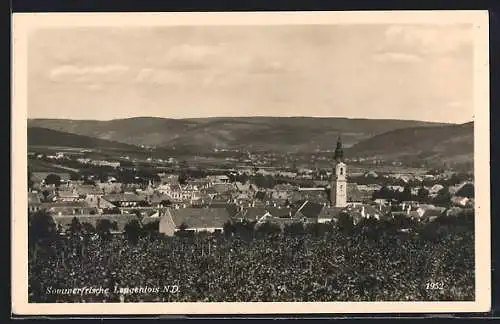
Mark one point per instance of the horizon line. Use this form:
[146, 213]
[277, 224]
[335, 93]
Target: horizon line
[254, 116]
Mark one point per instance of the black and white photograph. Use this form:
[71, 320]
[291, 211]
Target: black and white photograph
[227, 162]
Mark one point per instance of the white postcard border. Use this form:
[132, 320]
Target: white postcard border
[23, 23]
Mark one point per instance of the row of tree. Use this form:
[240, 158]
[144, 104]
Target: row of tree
[442, 198]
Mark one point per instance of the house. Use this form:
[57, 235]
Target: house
[67, 195]
[251, 214]
[110, 187]
[355, 195]
[126, 200]
[90, 193]
[357, 212]
[424, 210]
[217, 179]
[433, 213]
[194, 219]
[246, 188]
[460, 201]
[259, 213]
[158, 200]
[435, 189]
[307, 211]
[63, 208]
[465, 190]
[199, 183]
[34, 202]
[223, 187]
[317, 195]
[329, 214]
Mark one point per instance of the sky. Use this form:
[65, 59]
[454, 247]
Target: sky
[417, 72]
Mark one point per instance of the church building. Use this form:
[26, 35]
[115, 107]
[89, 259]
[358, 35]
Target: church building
[338, 188]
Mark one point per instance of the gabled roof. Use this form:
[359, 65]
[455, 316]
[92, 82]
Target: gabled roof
[279, 212]
[124, 197]
[466, 190]
[253, 213]
[438, 211]
[89, 190]
[356, 195]
[309, 210]
[223, 187]
[158, 197]
[200, 217]
[67, 194]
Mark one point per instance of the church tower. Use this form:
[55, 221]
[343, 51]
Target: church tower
[339, 180]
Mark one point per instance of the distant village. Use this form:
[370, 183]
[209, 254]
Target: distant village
[198, 200]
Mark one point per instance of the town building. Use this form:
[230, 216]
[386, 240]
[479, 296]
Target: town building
[193, 219]
[338, 194]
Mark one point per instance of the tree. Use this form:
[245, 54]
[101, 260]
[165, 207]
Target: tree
[422, 195]
[103, 228]
[228, 229]
[182, 230]
[345, 222]
[443, 198]
[88, 228]
[294, 229]
[406, 194]
[183, 178]
[75, 227]
[53, 179]
[245, 229]
[384, 193]
[151, 229]
[42, 229]
[268, 229]
[318, 229]
[133, 231]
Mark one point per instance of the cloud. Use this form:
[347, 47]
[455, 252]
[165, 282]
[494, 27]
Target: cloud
[394, 57]
[187, 56]
[160, 76]
[88, 74]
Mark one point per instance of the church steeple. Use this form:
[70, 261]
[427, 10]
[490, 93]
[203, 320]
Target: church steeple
[338, 191]
[339, 151]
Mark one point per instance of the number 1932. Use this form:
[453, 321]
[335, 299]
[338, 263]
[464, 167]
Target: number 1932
[434, 286]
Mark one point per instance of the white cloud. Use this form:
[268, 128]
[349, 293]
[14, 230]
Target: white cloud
[391, 57]
[160, 76]
[187, 56]
[88, 74]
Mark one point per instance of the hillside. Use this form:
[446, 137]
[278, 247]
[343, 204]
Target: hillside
[284, 134]
[437, 144]
[38, 136]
